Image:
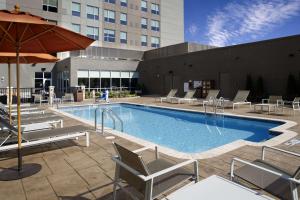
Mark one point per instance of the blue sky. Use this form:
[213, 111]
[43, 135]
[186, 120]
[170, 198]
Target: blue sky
[229, 22]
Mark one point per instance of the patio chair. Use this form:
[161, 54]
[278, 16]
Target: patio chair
[171, 94]
[38, 98]
[239, 99]
[68, 97]
[40, 137]
[188, 97]
[151, 179]
[212, 94]
[268, 176]
[296, 105]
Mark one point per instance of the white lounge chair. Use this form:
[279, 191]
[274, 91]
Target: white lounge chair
[239, 99]
[41, 137]
[152, 179]
[211, 95]
[188, 97]
[171, 94]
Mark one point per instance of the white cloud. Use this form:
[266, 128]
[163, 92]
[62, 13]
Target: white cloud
[193, 29]
[249, 19]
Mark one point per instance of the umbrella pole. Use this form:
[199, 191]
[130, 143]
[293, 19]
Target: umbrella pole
[19, 110]
[9, 93]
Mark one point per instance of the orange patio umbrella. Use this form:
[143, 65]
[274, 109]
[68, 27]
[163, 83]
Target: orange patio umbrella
[22, 32]
[24, 58]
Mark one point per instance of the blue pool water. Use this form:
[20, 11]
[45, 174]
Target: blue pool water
[187, 132]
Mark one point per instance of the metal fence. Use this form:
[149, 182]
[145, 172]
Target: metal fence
[25, 93]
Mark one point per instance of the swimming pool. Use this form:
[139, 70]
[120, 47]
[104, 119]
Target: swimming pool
[183, 131]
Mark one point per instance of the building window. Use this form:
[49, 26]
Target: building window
[154, 25]
[93, 32]
[123, 19]
[76, 28]
[144, 23]
[76, 9]
[110, 1]
[50, 5]
[92, 12]
[109, 35]
[155, 9]
[144, 41]
[144, 6]
[155, 42]
[123, 3]
[123, 37]
[109, 16]
[42, 81]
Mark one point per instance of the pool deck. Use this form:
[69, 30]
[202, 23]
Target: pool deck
[69, 170]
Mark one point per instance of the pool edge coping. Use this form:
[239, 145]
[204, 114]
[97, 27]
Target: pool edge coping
[283, 129]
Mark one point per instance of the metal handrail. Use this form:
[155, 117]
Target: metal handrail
[112, 115]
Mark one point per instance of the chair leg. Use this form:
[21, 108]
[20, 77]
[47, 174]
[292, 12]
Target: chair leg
[148, 191]
[294, 191]
[116, 182]
[87, 135]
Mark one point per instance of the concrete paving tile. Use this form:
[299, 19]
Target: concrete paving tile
[38, 188]
[107, 165]
[102, 192]
[12, 190]
[94, 176]
[70, 184]
[58, 165]
[100, 156]
[81, 161]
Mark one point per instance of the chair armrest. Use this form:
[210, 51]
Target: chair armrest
[260, 168]
[280, 102]
[170, 169]
[146, 148]
[133, 171]
[296, 104]
[279, 150]
[265, 101]
[141, 149]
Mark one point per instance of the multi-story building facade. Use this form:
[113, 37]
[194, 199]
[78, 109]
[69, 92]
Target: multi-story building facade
[116, 25]
[124, 24]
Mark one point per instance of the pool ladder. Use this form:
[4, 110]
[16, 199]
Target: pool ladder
[217, 104]
[114, 117]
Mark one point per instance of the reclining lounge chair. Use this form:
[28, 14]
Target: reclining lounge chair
[40, 137]
[239, 99]
[188, 97]
[268, 176]
[152, 179]
[211, 95]
[171, 94]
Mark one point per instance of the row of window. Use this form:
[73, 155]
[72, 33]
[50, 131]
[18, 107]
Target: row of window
[110, 36]
[51, 6]
[110, 16]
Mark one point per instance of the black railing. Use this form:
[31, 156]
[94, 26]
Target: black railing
[26, 95]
